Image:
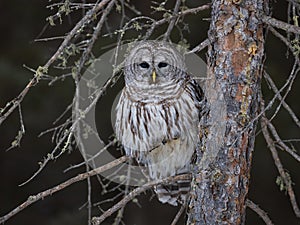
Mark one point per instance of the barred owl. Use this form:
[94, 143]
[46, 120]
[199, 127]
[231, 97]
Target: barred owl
[157, 115]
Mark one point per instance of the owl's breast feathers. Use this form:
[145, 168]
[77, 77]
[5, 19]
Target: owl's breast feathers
[161, 135]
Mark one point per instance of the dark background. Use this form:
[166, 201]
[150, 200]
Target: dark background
[20, 23]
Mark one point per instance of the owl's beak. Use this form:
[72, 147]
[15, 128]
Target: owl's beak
[153, 76]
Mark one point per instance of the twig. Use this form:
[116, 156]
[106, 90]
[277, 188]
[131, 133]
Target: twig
[94, 37]
[34, 198]
[17, 141]
[262, 214]
[284, 104]
[280, 24]
[50, 156]
[173, 20]
[183, 13]
[285, 178]
[282, 38]
[11, 106]
[50, 38]
[179, 213]
[132, 8]
[281, 143]
[132, 194]
[111, 143]
[289, 88]
[68, 135]
[200, 47]
[121, 211]
[290, 111]
[90, 14]
[83, 152]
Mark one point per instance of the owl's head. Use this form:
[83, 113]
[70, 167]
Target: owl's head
[153, 63]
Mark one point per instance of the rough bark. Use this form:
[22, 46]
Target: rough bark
[222, 168]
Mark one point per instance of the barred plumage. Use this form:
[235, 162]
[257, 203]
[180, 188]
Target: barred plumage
[157, 117]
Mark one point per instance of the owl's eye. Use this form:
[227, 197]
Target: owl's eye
[162, 64]
[144, 65]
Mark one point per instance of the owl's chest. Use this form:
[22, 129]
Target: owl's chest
[145, 126]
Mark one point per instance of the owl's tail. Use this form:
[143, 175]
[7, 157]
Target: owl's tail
[173, 193]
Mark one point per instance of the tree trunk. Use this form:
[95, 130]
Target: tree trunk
[222, 168]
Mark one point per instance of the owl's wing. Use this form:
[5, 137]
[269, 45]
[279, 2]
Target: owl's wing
[197, 94]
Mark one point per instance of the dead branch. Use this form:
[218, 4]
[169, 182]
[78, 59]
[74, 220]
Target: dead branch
[282, 38]
[261, 213]
[280, 24]
[173, 20]
[286, 179]
[89, 15]
[105, 148]
[132, 194]
[94, 37]
[11, 106]
[34, 198]
[284, 104]
[200, 47]
[67, 135]
[180, 14]
[178, 214]
[281, 143]
[290, 111]
[120, 213]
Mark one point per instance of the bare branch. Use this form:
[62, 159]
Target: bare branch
[11, 106]
[77, 27]
[111, 143]
[281, 143]
[179, 213]
[183, 13]
[262, 214]
[134, 193]
[34, 198]
[50, 39]
[200, 47]
[173, 20]
[94, 36]
[284, 104]
[280, 24]
[286, 179]
[17, 141]
[282, 38]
